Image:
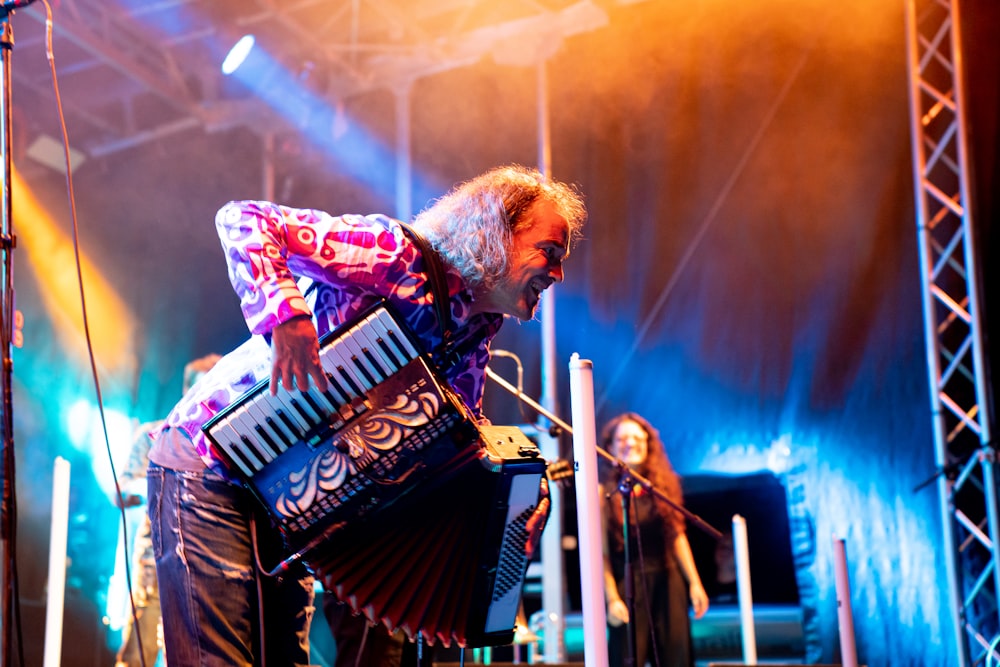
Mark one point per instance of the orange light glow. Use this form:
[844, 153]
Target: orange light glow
[50, 252]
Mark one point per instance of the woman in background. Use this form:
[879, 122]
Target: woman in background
[664, 573]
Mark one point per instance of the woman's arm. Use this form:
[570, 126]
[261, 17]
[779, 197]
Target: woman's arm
[617, 609]
[696, 592]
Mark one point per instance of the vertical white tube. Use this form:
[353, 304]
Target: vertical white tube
[404, 156]
[744, 593]
[588, 513]
[845, 618]
[57, 563]
[267, 167]
[553, 577]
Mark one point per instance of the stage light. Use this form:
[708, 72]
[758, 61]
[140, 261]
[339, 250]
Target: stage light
[238, 54]
[86, 433]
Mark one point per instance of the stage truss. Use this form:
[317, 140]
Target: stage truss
[953, 327]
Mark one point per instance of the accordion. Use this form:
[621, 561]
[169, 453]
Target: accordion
[410, 512]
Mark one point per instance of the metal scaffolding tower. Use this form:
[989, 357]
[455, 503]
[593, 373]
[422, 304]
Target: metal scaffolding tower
[952, 315]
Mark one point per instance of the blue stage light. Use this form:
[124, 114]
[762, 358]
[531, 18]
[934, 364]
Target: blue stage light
[238, 54]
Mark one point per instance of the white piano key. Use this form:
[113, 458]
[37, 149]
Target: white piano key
[333, 358]
[397, 334]
[229, 432]
[243, 421]
[370, 336]
[225, 444]
[394, 354]
[283, 400]
[261, 414]
[359, 363]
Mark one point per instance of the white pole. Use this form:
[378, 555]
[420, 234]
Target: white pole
[588, 513]
[845, 618]
[553, 577]
[267, 167]
[404, 156]
[57, 563]
[743, 589]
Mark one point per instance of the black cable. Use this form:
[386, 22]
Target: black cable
[259, 572]
[361, 648]
[86, 326]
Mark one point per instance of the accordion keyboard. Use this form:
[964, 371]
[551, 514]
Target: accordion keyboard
[260, 427]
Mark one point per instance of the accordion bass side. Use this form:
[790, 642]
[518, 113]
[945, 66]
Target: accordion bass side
[449, 566]
[385, 463]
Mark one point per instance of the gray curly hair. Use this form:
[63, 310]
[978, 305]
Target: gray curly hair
[473, 226]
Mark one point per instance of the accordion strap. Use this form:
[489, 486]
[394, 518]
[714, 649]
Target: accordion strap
[451, 350]
[435, 274]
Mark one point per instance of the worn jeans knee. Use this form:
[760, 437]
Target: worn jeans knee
[208, 581]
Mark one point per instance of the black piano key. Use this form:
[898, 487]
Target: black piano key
[334, 392]
[375, 361]
[393, 358]
[385, 365]
[396, 341]
[364, 371]
[286, 435]
[238, 456]
[284, 400]
[267, 440]
[228, 440]
[247, 454]
[392, 333]
[272, 439]
[390, 353]
[244, 422]
[350, 381]
[355, 358]
[333, 363]
[289, 423]
[311, 400]
[319, 402]
[303, 411]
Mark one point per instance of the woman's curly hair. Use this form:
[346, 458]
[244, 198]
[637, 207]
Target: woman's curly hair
[656, 468]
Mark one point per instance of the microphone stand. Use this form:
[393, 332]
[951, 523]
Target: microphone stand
[7, 244]
[610, 458]
[6, 322]
[628, 480]
[625, 485]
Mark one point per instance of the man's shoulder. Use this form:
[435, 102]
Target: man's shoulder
[373, 220]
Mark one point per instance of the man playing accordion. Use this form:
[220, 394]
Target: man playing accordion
[502, 238]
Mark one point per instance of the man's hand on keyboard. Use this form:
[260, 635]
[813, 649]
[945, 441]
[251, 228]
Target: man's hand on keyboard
[295, 356]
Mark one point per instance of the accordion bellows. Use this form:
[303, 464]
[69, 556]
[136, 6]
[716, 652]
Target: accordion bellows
[449, 563]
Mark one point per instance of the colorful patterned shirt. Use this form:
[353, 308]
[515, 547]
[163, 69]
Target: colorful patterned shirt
[286, 262]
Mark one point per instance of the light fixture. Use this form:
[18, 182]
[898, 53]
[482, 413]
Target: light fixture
[49, 151]
[238, 54]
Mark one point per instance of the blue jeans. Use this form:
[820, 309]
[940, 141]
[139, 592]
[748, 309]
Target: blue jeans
[213, 600]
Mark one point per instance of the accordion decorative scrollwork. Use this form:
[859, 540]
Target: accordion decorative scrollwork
[357, 451]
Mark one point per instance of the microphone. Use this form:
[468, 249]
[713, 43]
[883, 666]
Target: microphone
[520, 375]
[517, 360]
